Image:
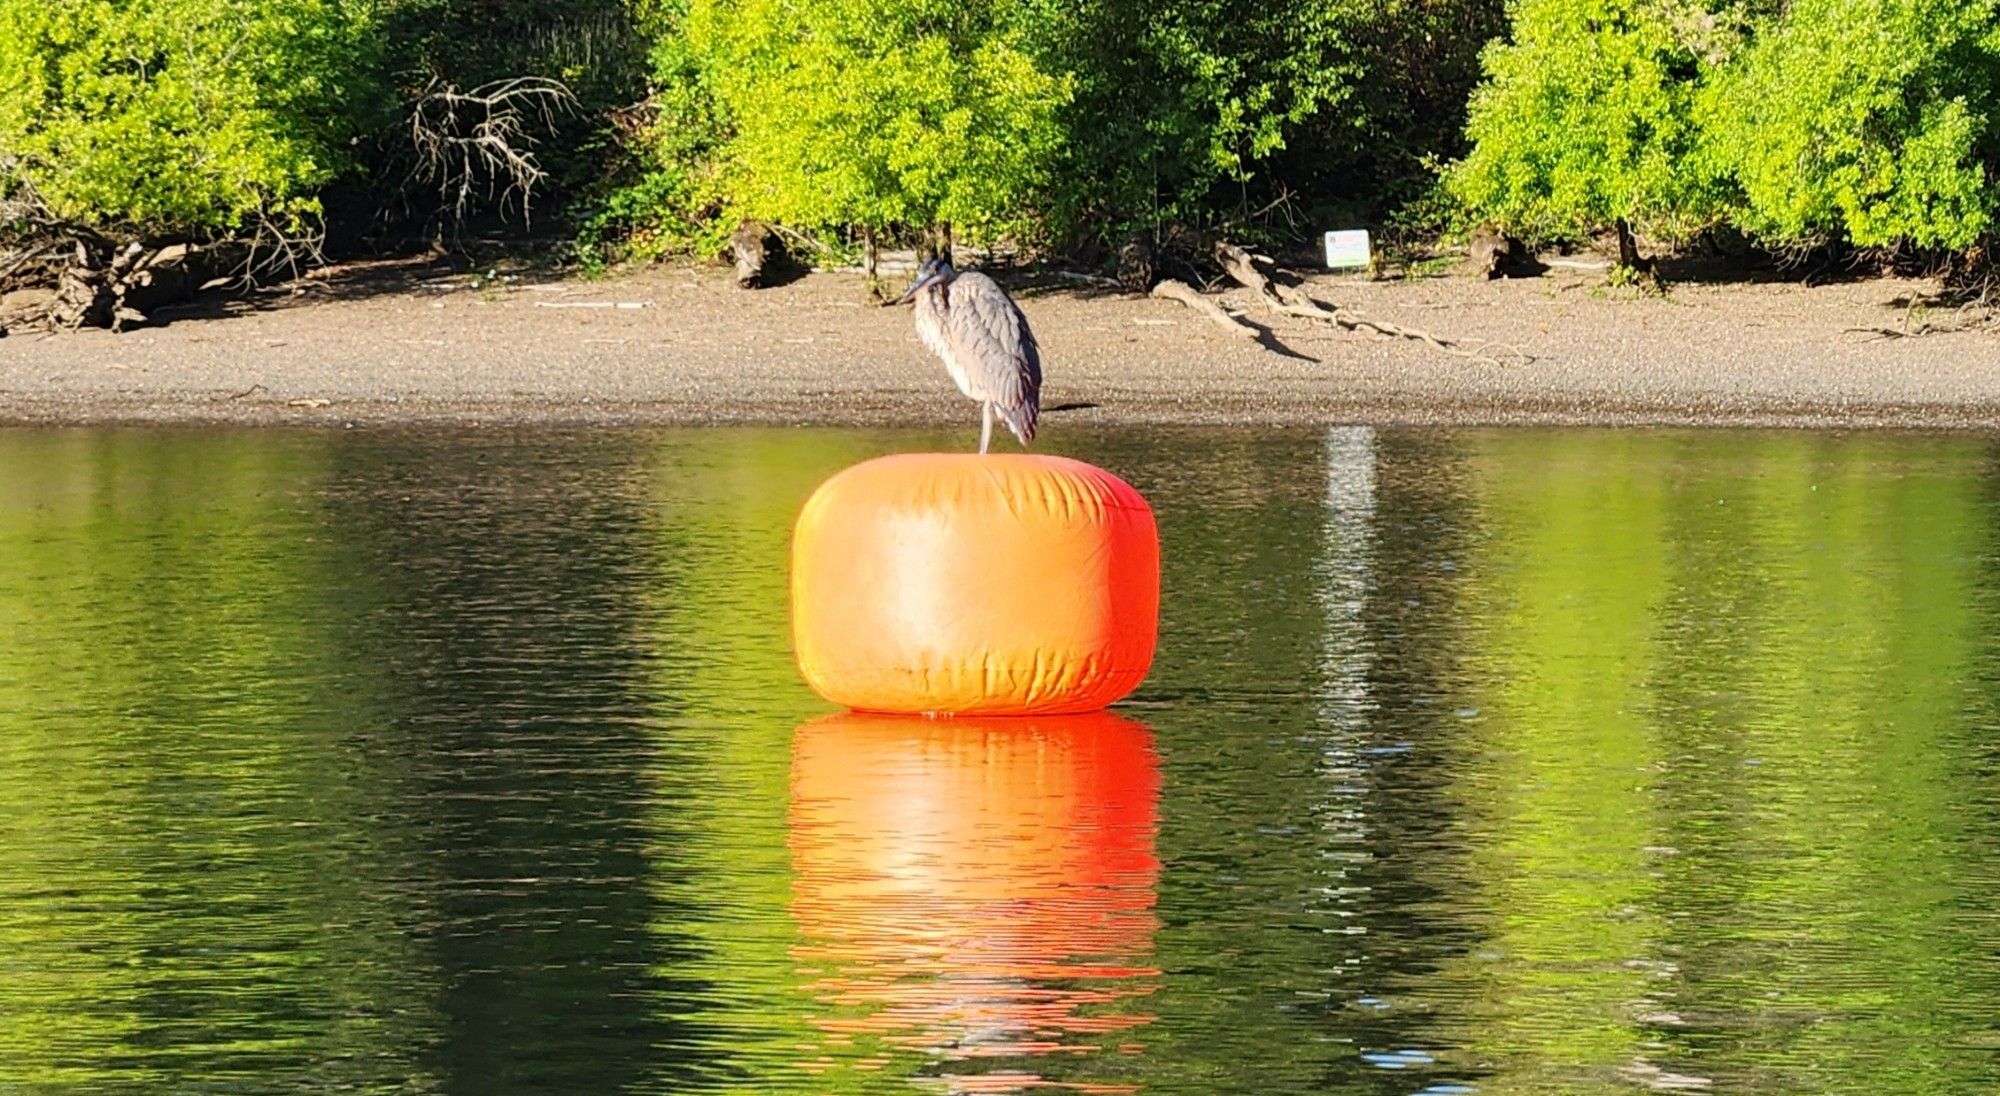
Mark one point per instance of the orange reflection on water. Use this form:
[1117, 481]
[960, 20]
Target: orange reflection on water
[975, 888]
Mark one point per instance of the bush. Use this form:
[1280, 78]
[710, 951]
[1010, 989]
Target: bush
[1587, 120]
[1872, 121]
[1202, 112]
[878, 113]
[184, 117]
[1080, 124]
[1180, 106]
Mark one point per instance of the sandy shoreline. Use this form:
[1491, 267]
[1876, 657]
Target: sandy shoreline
[682, 345]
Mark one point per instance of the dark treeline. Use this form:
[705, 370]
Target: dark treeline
[636, 128]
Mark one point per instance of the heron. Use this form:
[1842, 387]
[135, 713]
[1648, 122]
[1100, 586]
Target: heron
[970, 322]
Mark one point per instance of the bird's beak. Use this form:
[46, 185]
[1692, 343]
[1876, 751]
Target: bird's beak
[921, 283]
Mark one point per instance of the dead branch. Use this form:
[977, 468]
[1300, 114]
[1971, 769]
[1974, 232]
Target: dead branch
[483, 137]
[21, 259]
[1173, 290]
[1284, 201]
[276, 251]
[1242, 268]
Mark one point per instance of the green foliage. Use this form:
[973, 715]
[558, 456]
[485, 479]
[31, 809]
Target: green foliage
[1176, 99]
[1419, 62]
[1873, 120]
[1177, 107]
[1075, 123]
[1587, 118]
[1868, 122]
[668, 195]
[878, 112]
[183, 116]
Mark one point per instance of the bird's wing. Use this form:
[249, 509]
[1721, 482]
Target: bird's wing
[993, 343]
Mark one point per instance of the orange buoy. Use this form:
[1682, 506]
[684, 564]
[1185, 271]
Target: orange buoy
[1008, 584]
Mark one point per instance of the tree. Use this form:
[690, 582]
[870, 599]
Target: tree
[1176, 101]
[1876, 121]
[877, 113]
[184, 117]
[1587, 120]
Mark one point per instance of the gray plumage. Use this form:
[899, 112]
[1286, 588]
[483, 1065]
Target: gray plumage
[971, 323]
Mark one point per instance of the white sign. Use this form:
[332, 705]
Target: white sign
[1348, 249]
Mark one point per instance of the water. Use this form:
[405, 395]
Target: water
[1480, 762]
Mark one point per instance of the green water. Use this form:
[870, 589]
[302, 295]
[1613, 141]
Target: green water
[1495, 762]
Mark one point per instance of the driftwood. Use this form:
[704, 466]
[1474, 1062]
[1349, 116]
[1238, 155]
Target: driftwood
[1087, 279]
[1173, 290]
[1241, 266]
[91, 286]
[91, 294]
[750, 245]
[1494, 254]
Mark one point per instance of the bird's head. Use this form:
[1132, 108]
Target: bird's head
[933, 272]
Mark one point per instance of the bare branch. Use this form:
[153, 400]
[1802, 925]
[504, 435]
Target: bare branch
[1287, 300]
[1173, 290]
[795, 234]
[484, 138]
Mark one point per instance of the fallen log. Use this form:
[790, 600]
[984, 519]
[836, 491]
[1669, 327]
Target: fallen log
[1242, 268]
[1172, 290]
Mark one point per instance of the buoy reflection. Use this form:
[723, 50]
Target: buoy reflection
[975, 889]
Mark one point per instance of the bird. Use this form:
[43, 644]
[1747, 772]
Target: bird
[970, 322]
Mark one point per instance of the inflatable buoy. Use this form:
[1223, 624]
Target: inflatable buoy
[1007, 584]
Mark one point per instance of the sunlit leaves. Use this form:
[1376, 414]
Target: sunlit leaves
[878, 112]
[1586, 118]
[1873, 120]
[173, 116]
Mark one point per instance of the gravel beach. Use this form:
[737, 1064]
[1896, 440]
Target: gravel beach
[404, 343]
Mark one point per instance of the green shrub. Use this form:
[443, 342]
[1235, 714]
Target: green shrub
[1587, 121]
[1195, 112]
[1079, 123]
[164, 117]
[878, 113]
[1176, 99]
[1873, 121]
[665, 194]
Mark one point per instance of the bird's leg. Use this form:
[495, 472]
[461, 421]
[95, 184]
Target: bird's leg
[985, 426]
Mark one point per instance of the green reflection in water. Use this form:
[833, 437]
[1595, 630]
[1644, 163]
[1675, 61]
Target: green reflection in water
[166, 831]
[1727, 774]
[725, 693]
[1526, 761]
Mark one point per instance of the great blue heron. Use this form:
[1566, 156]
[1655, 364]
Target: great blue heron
[970, 322]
